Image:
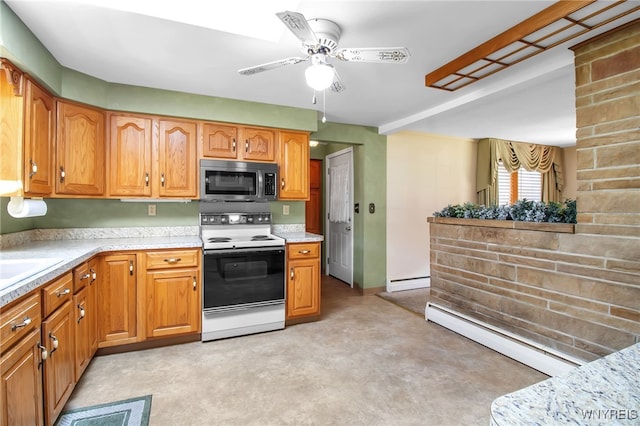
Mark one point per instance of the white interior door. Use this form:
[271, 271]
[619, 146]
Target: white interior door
[339, 202]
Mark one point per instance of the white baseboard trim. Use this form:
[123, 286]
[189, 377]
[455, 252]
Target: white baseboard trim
[540, 357]
[408, 284]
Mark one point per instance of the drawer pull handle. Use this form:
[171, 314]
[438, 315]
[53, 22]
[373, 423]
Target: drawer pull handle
[146, 179]
[81, 308]
[62, 174]
[44, 353]
[54, 343]
[94, 275]
[282, 183]
[85, 276]
[173, 260]
[131, 267]
[162, 179]
[25, 322]
[304, 251]
[195, 284]
[291, 274]
[233, 145]
[246, 146]
[63, 292]
[34, 168]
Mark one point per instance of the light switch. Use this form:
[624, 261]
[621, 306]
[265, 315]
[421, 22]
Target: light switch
[372, 208]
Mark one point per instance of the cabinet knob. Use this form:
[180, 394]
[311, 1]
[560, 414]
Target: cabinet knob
[25, 322]
[63, 292]
[62, 174]
[146, 179]
[162, 179]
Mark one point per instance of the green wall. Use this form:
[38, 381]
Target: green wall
[19, 45]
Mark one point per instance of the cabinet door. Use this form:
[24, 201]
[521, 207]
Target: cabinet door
[258, 144]
[294, 165]
[59, 368]
[117, 300]
[173, 302]
[11, 128]
[303, 288]
[81, 329]
[129, 156]
[39, 119]
[177, 160]
[21, 385]
[80, 151]
[92, 304]
[219, 141]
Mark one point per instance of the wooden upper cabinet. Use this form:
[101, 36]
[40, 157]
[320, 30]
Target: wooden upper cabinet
[130, 156]
[80, 150]
[238, 143]
[294, 165]
[177, 159]
[11, 124]
[219, 141]
[39, 137]
[258, 144]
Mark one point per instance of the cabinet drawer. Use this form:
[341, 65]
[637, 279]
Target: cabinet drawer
[304, 250]
[56, 293]
[19, 321]
[172, 259]
[81, 277]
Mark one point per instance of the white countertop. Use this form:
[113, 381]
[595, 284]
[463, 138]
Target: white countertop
[299, 237]
[603, 392]
[74, 252]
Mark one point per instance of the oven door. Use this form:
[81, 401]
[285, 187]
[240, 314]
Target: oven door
[243, 278]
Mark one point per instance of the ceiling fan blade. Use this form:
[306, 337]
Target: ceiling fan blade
[271, 65]
[298, 25]
[398, 55]
[337, 85]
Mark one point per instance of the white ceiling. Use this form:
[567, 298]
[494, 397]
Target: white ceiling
[175, 50]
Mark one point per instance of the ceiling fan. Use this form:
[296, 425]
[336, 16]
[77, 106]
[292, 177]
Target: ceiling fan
[320, 39]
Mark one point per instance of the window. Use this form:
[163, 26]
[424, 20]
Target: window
[518, 185]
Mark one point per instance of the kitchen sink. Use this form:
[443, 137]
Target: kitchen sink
[14, 270]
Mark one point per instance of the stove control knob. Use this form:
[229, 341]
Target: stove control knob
[205, 219]
[224, 219]
[250, 219]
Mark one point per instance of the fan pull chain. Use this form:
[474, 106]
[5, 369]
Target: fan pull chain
[313, 99]
[324, 106]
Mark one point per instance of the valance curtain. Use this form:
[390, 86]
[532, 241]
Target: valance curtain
[540, 158]
[339, 193]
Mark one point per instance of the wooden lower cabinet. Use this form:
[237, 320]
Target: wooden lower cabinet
[21, 387]
[303, 280]
[118, 301]
[172, 292]
[85, 306]
[59, 368]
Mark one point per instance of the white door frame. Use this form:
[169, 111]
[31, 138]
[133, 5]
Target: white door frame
[328, 200]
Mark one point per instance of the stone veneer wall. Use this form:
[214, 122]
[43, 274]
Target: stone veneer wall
[578, 293]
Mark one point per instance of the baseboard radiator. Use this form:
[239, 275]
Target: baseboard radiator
[408, 284]
[535, 355]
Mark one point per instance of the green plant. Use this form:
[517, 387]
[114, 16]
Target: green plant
[522, 210]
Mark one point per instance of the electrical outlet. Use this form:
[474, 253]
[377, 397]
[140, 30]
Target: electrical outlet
[285, 209]
[151, 210]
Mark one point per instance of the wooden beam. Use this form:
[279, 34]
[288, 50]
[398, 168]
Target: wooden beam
[528, 26]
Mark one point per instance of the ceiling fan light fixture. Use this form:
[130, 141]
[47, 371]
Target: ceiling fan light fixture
[319, 75]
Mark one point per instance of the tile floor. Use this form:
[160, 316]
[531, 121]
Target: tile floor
[366, 362]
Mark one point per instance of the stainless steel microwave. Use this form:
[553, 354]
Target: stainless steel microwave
[238, 181]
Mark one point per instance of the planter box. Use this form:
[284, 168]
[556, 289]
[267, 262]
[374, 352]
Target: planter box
[563, 228]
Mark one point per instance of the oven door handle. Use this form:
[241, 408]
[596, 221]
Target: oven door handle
[243, 250]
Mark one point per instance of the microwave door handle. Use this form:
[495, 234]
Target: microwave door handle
[260, 193]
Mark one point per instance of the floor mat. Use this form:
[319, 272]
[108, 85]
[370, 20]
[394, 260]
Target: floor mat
[129, 412]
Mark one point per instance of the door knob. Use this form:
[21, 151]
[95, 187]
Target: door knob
[347, 228]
